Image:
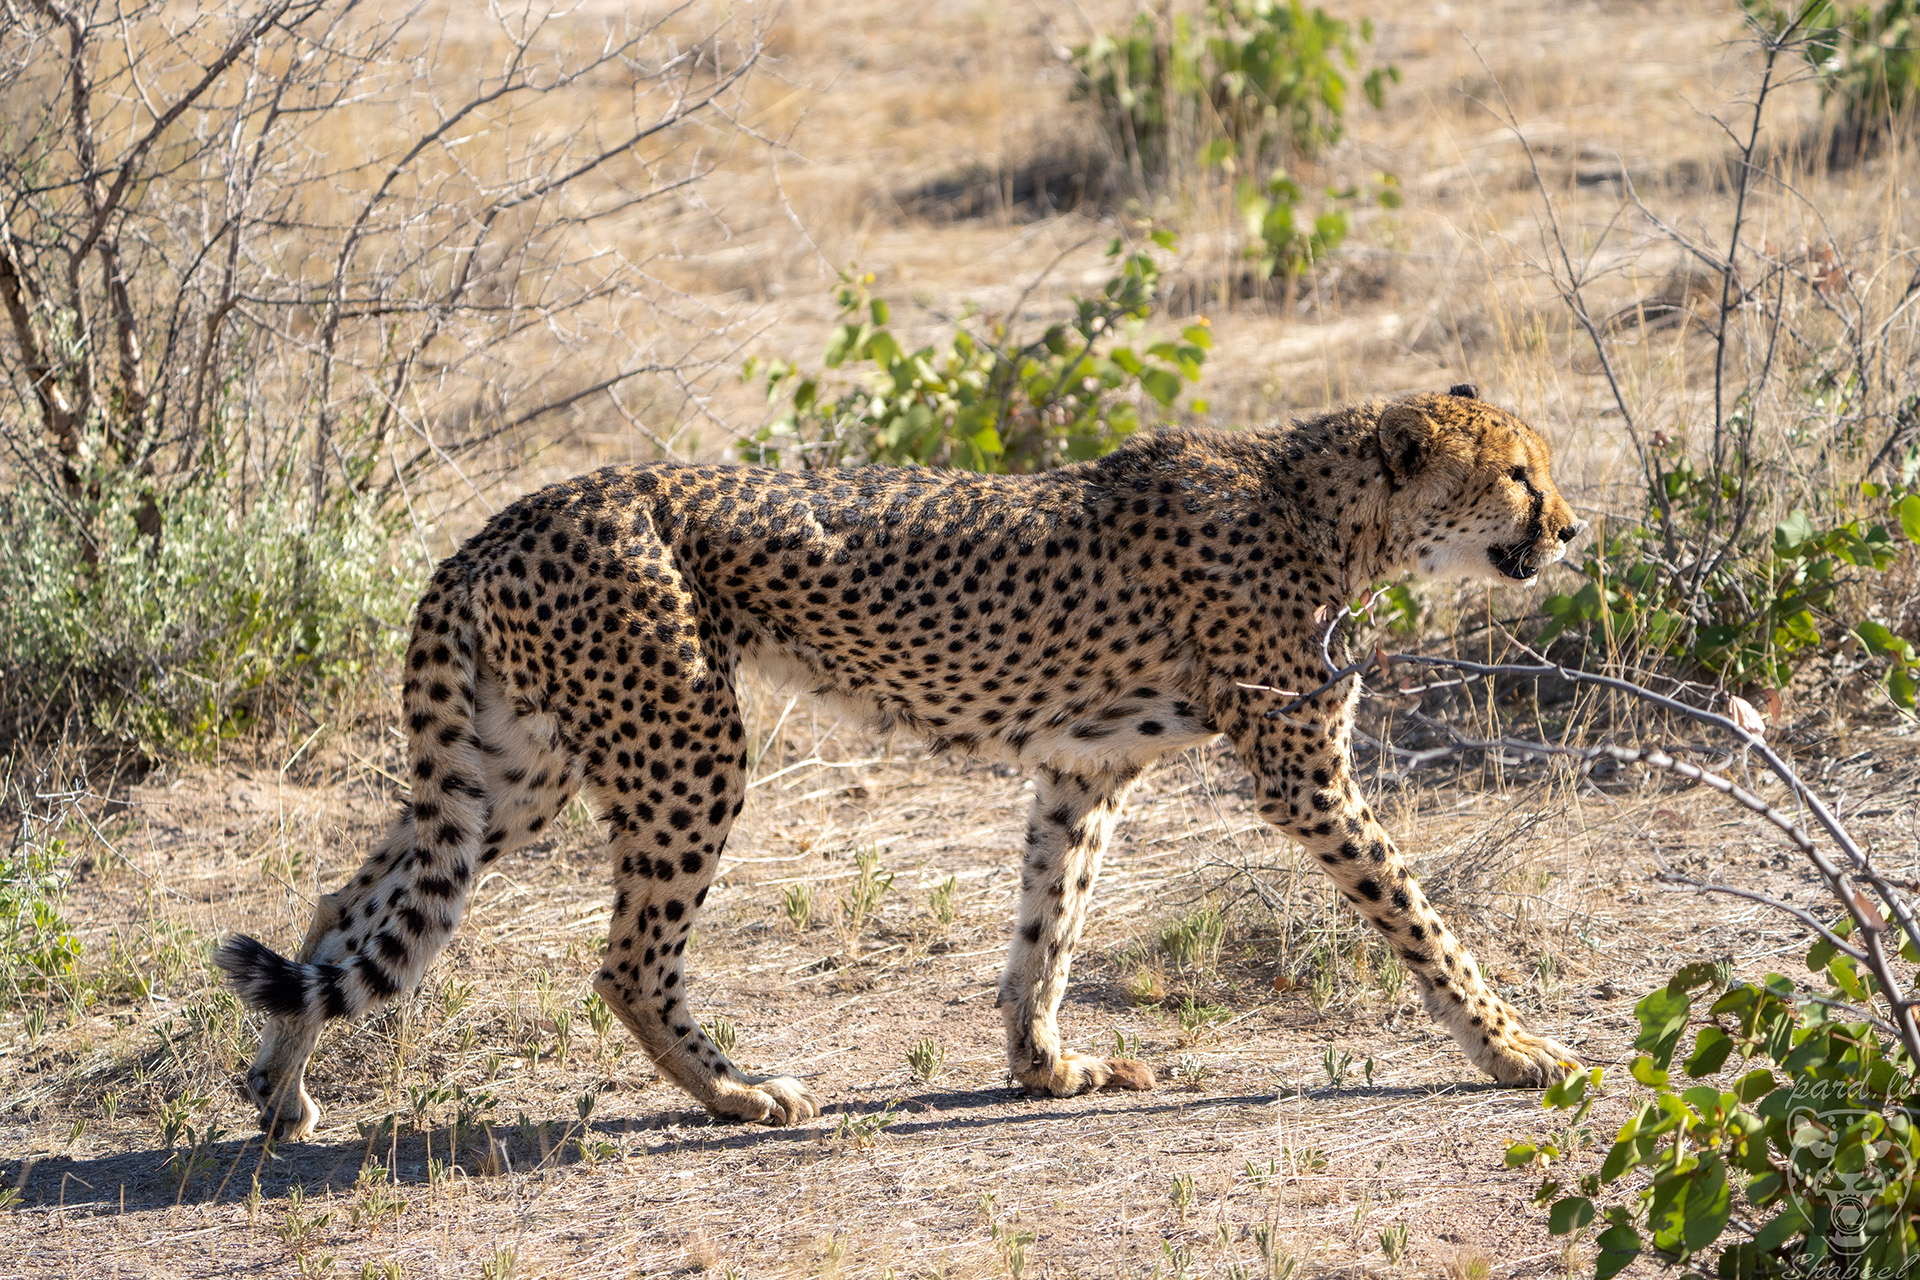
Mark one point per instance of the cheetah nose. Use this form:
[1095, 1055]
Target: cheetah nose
[1573, 531]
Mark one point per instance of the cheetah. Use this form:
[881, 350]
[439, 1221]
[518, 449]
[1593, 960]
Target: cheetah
[1083, 622]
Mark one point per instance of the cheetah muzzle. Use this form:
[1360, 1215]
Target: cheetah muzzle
[1084, 622]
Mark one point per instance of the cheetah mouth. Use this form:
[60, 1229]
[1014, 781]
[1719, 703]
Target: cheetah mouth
[1512, 563]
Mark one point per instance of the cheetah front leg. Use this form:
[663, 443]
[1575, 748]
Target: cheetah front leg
[1306, 787]
[1066, 834]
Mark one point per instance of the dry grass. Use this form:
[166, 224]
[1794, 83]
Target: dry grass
[487, 1127]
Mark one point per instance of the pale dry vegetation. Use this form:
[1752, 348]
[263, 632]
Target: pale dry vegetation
[1310, 1119]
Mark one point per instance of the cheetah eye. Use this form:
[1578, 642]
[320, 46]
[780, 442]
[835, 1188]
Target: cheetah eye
[1518, 475]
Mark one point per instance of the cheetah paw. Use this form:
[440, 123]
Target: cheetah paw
[1528, 1061]
[1077, 1073]
[775, 1100]
[287, 1111]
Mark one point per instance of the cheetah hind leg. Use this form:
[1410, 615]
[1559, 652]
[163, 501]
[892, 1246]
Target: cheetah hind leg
[666, 851]
[1072, 815]
[729, 1092]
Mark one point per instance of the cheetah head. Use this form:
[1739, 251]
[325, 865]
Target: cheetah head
[1472, 494]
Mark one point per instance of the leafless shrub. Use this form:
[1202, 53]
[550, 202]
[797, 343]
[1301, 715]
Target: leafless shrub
[319, 258]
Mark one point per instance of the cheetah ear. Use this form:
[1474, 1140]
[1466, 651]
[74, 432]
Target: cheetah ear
[1464, 390]
[1405, 437]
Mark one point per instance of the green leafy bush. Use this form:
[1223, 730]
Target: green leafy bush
[1865, 56]
[1262, 80]
[169, 638]
[1751, 607]
[1248, 88]
[984, 399]
[1808, 1164]
[38, 947]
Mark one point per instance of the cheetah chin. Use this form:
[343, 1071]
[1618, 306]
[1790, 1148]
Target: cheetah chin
[1084, 623]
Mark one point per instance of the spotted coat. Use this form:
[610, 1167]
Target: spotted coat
[1084, 623]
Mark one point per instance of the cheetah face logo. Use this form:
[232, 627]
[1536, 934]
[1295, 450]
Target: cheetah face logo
[1474, 495]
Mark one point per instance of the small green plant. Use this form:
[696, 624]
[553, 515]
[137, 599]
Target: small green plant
[1182, 1193]
[863, 1130]
[599, 1016]
[501, 1266]
[1816, 1133]
[298, 1225]
[1324, 983]
[1278, 1263]
[1393, 1242]
[454, 997]
[944, 901]
[377, 1200]
[723, 1034]
[1262, 1176]
[925, 1058]
[388, 1270]
[39, 950]
[796, 900]
[1013, 1245]
[1391, 975]
[870, 884]
[1197, 1019]
[1146, 985]
[1335, 1062]
[1192, 942]
[986, 399]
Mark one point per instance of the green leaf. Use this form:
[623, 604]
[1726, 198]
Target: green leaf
[882, 349]
[1908, 509]
[1663, 1016]
[1710, 1050]
[1879, 638]
[1569, 1214]
[1569, 1091]
[1164, 238]
[1162, 384]
[1200, 335]
[1520, 1154]
[1783, 1228]
[1900, 686]
[1619, 1245]
[1791, 534]
[840, 344]
[1709, 1202]
[1217, 152]
[1802, 627]
[1646, 1073]
[877, 308]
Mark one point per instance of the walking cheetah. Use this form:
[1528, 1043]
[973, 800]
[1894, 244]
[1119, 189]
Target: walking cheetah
[1084, 622]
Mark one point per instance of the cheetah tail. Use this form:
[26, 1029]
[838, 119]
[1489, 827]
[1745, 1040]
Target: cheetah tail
[272, 984]
[374, 938]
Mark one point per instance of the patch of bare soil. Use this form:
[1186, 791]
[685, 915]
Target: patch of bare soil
[1308, 1111]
